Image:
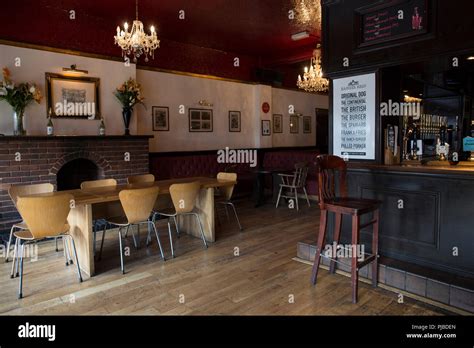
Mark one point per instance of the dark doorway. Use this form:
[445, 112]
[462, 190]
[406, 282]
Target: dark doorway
[322, 130]
[73, 173]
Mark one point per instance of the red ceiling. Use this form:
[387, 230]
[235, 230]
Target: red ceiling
[206, 41]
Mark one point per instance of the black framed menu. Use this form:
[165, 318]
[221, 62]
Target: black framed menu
[392, 21]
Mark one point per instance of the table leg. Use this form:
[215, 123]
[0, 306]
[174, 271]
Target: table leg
[80, 222]
[205, 209]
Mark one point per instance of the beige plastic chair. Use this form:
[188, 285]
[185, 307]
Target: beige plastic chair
[138, 179]
[293, 183]
[45, 217]
[22, 190]
[137, 205]
[184, 200]
[225, 194]
[100, 211]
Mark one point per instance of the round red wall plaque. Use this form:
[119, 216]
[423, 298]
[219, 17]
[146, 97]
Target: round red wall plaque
[265, 107]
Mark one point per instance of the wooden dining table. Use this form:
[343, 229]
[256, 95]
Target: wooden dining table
[82, 207]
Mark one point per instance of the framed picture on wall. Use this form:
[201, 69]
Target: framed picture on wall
[294, 124]
[306, 124]
[72, 96]
[266, 128]
[277, 123]
[200, 120]
[234, 121]
[160, 116]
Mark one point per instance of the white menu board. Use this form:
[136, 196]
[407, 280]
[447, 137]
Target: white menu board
[354, 117]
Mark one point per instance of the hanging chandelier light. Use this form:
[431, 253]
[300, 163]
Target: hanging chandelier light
[307, 14]
[313, 80]
[136, 42]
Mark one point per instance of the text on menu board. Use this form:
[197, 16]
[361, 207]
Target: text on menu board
[394, 22]
[354, 117]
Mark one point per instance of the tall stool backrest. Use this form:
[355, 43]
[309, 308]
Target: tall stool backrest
[45, 216]
[184, 196]
[138, 203]
[22, 190]
[98, 183]
[138, 179]
[227, 190]
[330, 169]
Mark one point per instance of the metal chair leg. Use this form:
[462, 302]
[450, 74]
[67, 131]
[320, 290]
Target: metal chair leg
[133, 236]
[202, 231]
[20, 289]
[148, 237]
[235, 213]
[158, 240]
[171, 238]
[306, 194]
[77, 259]
[296, 198]
[56, 242]
[102, 242]
[69, 260]
[15, 259]
[9, 243]
[121, 250]
[279, 196]
[175, 219]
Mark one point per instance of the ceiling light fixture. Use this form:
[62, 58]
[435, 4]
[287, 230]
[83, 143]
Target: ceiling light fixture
[307, 14]
[313, 80]
[300, 36]
[137, 42]
[470, 58]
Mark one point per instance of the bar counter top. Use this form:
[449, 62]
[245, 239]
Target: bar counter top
[463, 168]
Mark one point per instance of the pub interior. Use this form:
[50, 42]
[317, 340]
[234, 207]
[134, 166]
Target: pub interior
[253, 157]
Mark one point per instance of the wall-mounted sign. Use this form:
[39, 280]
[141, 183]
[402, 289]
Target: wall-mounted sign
[354, 117]
[395, 21]
[468, 144]
[265, 107]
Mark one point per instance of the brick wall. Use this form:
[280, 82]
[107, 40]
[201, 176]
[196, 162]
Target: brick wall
[31, 160]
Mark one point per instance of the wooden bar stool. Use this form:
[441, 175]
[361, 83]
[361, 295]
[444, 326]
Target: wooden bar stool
[340, 205]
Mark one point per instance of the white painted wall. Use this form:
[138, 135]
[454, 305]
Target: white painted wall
[34, 65]
[163, 89]
[304, 103]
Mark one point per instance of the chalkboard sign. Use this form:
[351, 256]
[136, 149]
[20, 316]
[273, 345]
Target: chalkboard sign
[400, 20]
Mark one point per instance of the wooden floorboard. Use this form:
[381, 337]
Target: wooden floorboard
[262, 280]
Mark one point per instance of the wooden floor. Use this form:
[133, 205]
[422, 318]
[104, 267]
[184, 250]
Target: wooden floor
[262, 279]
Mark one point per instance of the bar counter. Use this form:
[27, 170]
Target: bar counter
[427, 213]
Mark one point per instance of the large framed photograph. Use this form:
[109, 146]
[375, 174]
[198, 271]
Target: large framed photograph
[234, 121]
[72, 96]
[306, 124]
[294, 124]
[160, 116]
[200, 120]
[266, 128]
[277, 123]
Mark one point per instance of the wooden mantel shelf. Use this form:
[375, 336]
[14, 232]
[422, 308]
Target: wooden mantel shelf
[56, 137]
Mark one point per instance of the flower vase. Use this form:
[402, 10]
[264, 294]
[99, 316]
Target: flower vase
[127, 116]
[18, 125]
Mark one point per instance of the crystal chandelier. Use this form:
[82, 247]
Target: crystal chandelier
[136, 42]
[307, 14]
[313, 80]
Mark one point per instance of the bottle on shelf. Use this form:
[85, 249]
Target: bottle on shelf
[50, 126]
[102, 127]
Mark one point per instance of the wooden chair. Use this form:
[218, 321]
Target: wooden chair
[100, 211]
[138, 179]
[224, 195]
[137, 205]
[328, 167]
[294, 182]
[45, 217]
[184, 200]
[23, 190]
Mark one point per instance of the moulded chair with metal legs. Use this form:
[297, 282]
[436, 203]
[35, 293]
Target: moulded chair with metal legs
[22, 190]
[225, 196]
[100, 212]
[45, 217]
[137, 205]
[184, 200]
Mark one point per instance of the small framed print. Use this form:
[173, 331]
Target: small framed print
[200, 120]
[306, 124]
[294, 124]
[160, 116]
[277, 123]
[266, 130]
[234, 121]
